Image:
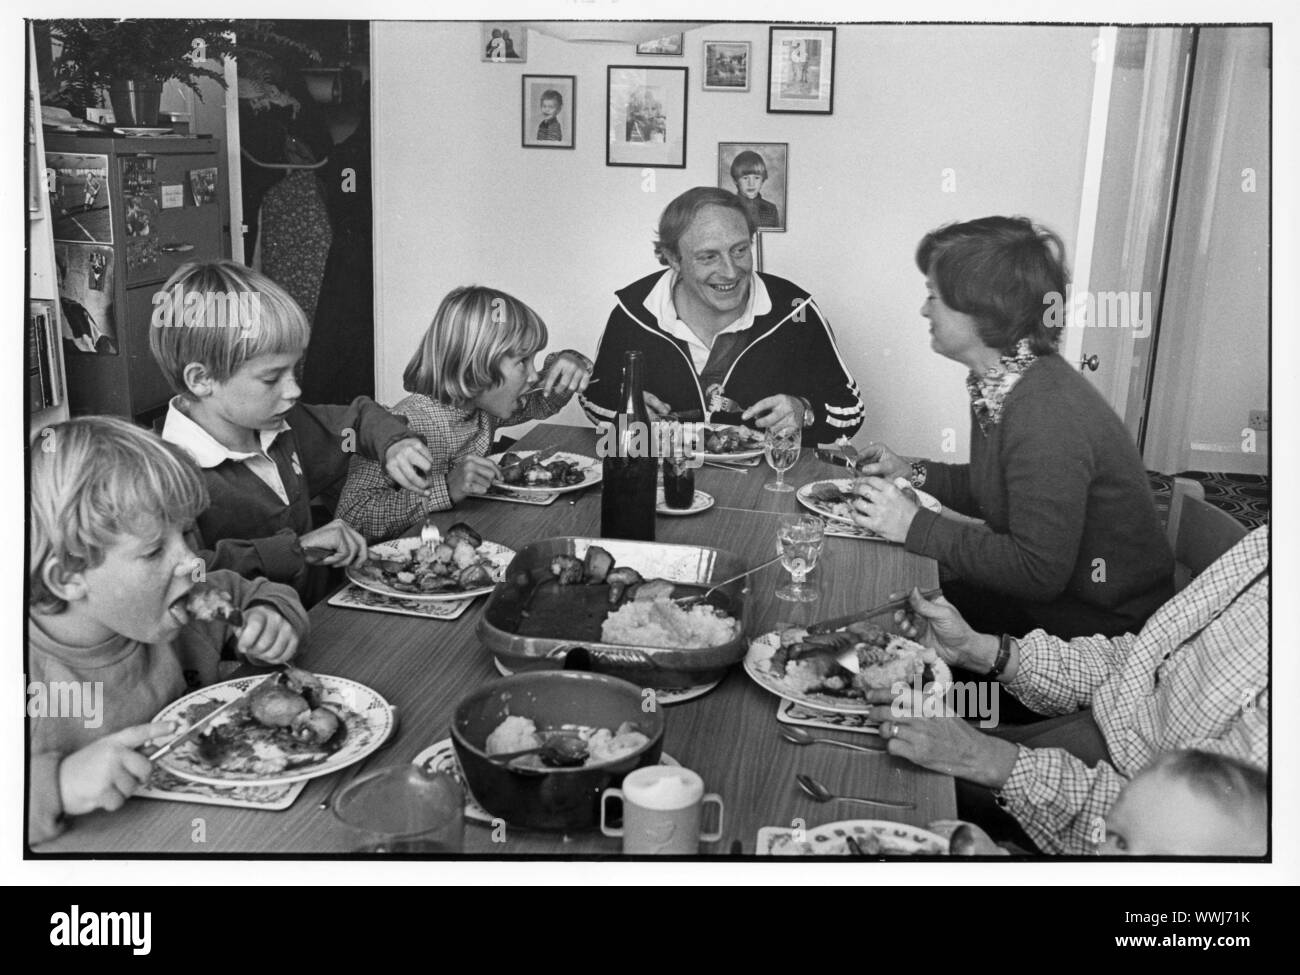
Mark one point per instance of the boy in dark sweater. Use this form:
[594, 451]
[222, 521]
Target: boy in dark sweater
[229, 341]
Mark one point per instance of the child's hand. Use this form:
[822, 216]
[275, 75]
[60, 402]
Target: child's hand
[471, 475]
[344, 545]
[569, 373]
[407, 462]
[104, 774]
[267, 637]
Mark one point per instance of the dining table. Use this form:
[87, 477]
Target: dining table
[729, 735]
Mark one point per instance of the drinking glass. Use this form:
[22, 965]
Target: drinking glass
[403, 810]
[799, 540]
[782, 450]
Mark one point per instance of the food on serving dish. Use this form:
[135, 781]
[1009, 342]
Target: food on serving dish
[283, 724]
[662, 623]
[457, 563]
[598, 568]
[207, 603]
[531, 472]
[730, 440]
[807, 664]
[517, 734]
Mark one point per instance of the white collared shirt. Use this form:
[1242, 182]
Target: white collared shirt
[659, 302]
[208, 452]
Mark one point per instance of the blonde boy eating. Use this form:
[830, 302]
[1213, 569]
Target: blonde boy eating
[109, 576]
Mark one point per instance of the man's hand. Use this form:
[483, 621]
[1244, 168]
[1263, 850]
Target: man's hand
[105, 773]
[780, 413]
[343, 543]
[883, 508]
[942, 744]
[657, 407]
[471, 475]
[937, 624]
[407, 462]
[568, 375]
[267, 637]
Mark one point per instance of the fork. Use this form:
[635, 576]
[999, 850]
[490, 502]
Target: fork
[429, 534]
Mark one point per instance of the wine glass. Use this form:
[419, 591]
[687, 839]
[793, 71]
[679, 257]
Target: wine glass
[799, 540]
[782, 450]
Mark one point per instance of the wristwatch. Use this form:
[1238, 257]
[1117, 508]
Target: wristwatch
[809, 416]
[1002, 659]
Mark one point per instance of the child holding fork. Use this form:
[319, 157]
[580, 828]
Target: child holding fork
[472, 373]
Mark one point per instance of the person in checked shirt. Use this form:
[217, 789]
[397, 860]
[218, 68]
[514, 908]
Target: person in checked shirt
[1195, 677]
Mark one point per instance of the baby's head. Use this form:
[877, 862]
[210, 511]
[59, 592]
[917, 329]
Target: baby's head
[1190, 803]
[748, 172]
[229, 339]
[109, 505]
[1002, 271]
[478, 351]
[552, 102]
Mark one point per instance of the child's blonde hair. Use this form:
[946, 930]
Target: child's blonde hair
[238, 314]
[474, 329]
[94, 480]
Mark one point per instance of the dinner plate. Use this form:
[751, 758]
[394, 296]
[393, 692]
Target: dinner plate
[844, 484]
[401, 548]
[702, 501]
[755, 451]
[591, 468]
[756, 666]
[441, 757]
[894, 839]
[368, 716]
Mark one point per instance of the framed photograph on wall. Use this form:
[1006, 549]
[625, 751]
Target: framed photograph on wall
[758, 173]
[726, 65]
[801, 70]
[672, 45]
[547, 112]
[645, 116]
[504, 42]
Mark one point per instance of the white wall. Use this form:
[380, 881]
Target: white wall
[457, 200]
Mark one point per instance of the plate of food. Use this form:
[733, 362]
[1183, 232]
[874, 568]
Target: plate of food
[461, 565]
[832, 498]
[547, 471]
[294, 726]
[872, 837]
[724, 442]
[802, 668]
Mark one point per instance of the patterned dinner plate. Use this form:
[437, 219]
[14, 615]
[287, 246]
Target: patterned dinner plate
[368, 717]
[839, 510]
[875, 837]
[401, 548]
[591, 468]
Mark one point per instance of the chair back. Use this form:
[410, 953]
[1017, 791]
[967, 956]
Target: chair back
[1198, 531]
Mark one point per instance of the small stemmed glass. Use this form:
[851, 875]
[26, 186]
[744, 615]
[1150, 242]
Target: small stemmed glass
[799, 540]
[782, 451]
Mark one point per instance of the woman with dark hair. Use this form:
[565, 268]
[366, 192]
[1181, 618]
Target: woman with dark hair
[1068, 538]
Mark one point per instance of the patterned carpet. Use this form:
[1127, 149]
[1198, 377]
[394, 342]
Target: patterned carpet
[1244, 496]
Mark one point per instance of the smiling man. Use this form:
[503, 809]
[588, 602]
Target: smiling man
[723, 343]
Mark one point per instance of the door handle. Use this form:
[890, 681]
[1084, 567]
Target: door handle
[1091, 363]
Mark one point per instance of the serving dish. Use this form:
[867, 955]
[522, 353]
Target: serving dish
[531, 623]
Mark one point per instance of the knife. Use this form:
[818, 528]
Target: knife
[208, 718]
[839, 622]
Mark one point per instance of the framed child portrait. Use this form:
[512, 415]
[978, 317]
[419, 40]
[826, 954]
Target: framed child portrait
[548, 111]
[726, 65]
[758, 173]
[645, 116]
[504, 42]
[801, 70]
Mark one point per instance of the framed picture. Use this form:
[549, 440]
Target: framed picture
[645, 116]
[547, 112]
[758, 173]
[801, 70]
[504, 42]
[670, 45]
[726, 65]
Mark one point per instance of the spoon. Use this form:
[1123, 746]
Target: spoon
[559, 751]
[822, 794]
[798, 736]
[685, 600]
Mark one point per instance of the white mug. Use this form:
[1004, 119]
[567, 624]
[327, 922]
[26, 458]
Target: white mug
[663, 806]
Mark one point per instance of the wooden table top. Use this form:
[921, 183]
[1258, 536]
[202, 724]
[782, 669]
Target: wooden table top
[729, 736]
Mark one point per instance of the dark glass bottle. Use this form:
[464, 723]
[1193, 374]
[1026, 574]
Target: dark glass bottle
[627, 501]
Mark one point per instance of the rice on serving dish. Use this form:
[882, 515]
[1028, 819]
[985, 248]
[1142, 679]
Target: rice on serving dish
[662, 623]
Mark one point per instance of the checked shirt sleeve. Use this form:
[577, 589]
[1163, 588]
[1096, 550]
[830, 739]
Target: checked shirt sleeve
[1057, 677]
[1059, 801]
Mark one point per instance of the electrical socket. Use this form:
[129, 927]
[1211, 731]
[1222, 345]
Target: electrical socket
[1258, 420]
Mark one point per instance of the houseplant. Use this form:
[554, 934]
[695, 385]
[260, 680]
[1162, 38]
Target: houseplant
[132, 59]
